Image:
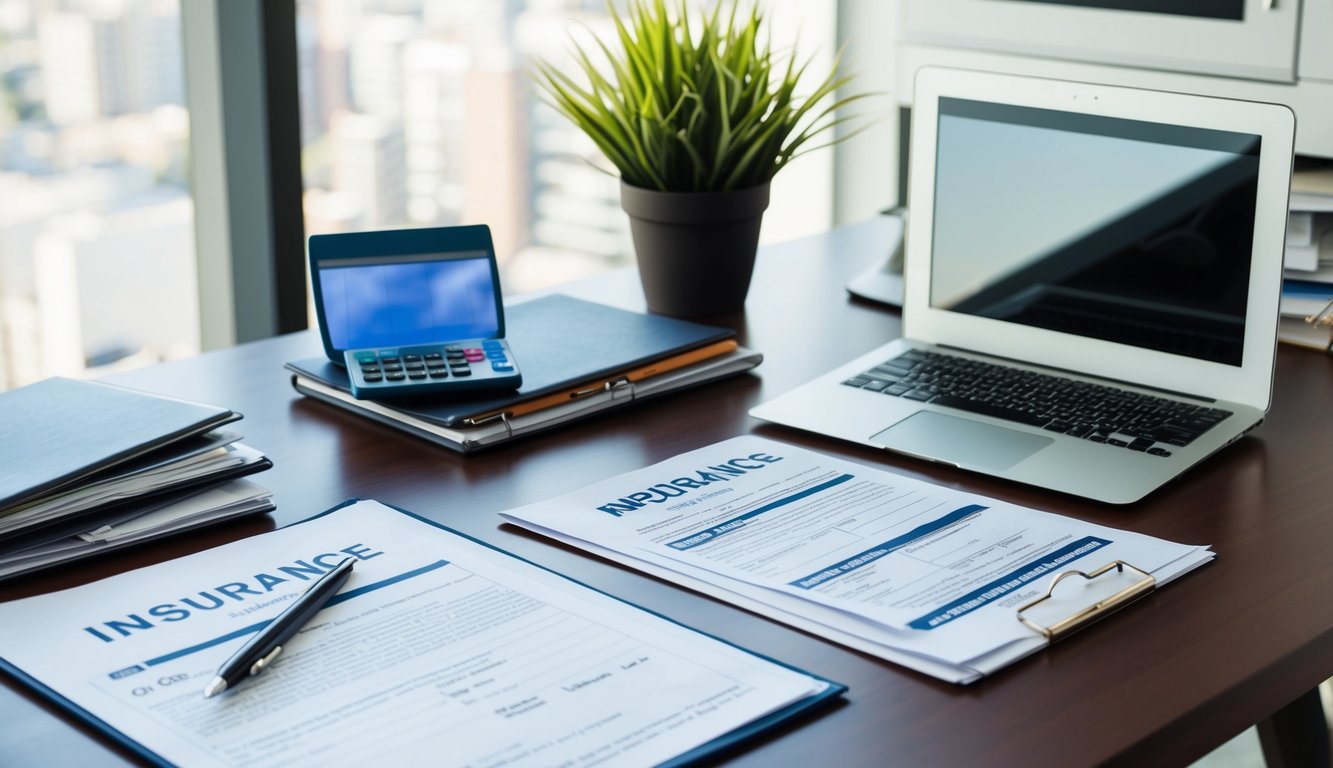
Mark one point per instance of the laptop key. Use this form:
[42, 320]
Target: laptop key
[987, 409]
[889, 370]
[1197, 426]
[1169, 433]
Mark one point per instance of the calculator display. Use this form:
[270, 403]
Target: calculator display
[390, 301]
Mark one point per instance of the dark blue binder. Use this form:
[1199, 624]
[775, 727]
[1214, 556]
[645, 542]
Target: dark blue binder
[559, 341]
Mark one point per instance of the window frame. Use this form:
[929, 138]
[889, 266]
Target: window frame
[241, 91]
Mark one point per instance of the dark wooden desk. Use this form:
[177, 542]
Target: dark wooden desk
[1161, 683]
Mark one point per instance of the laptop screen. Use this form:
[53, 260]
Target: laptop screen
[1122, 230]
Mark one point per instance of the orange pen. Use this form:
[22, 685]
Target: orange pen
[655, 368]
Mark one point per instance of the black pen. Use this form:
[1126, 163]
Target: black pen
[255, 656]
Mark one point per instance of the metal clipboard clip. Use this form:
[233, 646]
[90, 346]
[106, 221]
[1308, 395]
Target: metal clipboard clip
[500, 416]
[1088, 614]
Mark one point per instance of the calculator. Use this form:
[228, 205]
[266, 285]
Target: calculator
[413, 311]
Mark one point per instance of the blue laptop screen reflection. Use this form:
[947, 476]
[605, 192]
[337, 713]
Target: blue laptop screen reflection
[422, 299]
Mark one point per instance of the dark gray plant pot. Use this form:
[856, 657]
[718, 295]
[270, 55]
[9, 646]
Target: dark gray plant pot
[695, 249]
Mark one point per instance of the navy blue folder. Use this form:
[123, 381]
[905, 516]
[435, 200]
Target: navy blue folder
[558, 342]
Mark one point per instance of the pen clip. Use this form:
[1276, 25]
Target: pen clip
[262, 663]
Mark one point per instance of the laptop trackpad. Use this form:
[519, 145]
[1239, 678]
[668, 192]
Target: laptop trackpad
[960, 441]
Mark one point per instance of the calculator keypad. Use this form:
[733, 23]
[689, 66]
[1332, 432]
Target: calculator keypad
[468, 365]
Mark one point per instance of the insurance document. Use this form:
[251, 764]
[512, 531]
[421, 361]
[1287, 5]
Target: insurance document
[439, 650]
[915, 573]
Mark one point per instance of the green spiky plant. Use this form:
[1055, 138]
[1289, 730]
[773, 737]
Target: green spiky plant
[702, 106]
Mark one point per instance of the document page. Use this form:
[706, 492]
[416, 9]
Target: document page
[910, 566]
[437, 651]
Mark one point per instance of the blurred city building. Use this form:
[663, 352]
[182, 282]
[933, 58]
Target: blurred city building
[97, 266]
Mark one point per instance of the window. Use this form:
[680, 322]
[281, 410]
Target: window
[97, 225]
[424, 114]
[413, 114]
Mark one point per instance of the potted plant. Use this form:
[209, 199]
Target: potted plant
[697, 115]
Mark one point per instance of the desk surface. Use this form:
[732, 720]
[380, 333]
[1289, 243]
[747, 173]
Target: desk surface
[1162, 682]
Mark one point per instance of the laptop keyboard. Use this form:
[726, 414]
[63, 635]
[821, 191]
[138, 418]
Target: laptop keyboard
[1102, 414]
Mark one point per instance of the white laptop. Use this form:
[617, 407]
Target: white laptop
[1092, 280]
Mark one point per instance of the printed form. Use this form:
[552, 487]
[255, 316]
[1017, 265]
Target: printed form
[438, 650]
[915, 573]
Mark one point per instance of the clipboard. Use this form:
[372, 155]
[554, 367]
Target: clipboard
[1054, 628]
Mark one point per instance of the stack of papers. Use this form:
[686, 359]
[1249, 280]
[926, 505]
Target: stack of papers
[1309, 244]
[1308, 285]
[92, 467]
[1309, 247]
[921, 575]
[234, 498]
